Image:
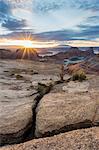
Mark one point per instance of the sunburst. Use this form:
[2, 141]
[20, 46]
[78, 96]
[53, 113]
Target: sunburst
[27, 46]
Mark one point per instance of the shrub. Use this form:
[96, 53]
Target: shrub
[19, 77]
[79, 75]
[43, 89]
[62, 73]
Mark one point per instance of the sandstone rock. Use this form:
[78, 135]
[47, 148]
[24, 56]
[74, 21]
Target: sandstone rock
[16, 104]
[43, 82]
[73, 68]
[35, 84]
[43, 79]
[75, 87]
[84, 139]
[16, 116]
[58, 112]
[17, 97]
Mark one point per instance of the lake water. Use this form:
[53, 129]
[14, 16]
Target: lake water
[74, 60]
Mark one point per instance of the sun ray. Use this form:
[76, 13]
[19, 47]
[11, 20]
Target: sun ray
[33, 50]
[27, 47]
[24, 52]
[28, 51]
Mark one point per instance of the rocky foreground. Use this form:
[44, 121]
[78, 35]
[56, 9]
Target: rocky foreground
[35, 104]
[84, 139]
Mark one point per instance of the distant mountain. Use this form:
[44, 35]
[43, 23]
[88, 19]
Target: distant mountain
[57, 53]
[95, 49]
[71, 52]
[53, 51]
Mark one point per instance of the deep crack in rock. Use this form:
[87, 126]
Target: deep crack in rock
[29, 134]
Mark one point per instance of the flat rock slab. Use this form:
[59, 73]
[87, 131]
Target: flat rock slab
[59, 112]
[84, 139]
[16, 115]
[76, 87]
[43, 79]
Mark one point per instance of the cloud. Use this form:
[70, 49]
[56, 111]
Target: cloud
[47, 5]
[6, 18]
[91, 32]
[4, 7]
[4, 10]
[85, 33]
[89, 28]
[57, 35]
[93, 20]
[14, 24]
[88, 4]
[61, 35]
[54, 19]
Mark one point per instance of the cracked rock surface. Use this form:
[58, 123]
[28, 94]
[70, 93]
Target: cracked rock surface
[34, 101]
[17, 98]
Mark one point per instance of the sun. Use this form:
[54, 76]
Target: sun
[27, 44]
[28, 49]
[27, 41]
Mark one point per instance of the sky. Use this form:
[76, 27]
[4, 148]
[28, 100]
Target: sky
[74, 22]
